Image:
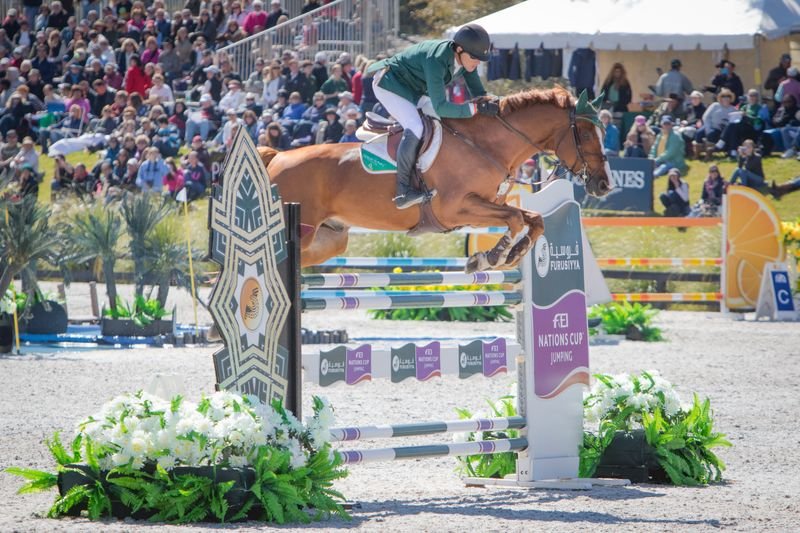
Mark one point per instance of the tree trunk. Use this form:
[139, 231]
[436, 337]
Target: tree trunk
[163, 291]
[6, 277]
[111, 284]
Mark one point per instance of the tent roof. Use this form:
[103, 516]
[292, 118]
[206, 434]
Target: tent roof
[640, 24]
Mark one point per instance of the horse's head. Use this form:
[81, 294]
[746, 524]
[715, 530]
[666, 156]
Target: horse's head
[580, 149]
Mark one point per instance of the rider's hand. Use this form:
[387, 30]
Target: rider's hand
[488, 107]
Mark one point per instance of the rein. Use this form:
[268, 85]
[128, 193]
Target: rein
[573, 127]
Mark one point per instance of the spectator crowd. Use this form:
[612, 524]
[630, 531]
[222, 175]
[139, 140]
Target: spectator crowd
[151, 92]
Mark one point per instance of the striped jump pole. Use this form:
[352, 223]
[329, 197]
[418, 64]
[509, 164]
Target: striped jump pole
[433, 450]
[347, 280]
[368, 280]
[667, 297]
[395, 262]
[442, 300]
[660, 261]
[426, 428]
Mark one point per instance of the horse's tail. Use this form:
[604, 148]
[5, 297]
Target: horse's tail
[267, 154]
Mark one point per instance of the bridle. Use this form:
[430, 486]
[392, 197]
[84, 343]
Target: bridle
[561, 170]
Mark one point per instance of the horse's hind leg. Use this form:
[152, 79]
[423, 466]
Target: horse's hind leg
[535, 224]
[478, 212]
[324, 243]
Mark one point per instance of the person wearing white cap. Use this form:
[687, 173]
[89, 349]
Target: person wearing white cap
[275, 13]
[790, 85]
[346, 103]
[200, 122]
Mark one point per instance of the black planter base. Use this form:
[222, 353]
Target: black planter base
[630, 457]
[121, 327]
[236, 497]
[49, 320]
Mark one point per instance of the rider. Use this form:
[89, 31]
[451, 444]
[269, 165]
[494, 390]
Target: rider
[425, 68]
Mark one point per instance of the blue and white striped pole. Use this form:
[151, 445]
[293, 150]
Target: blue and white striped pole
[442, 300]
[369, 280]
[433, 450]
[426, 428]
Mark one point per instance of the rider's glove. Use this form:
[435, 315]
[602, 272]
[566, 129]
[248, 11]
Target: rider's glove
[488, 107]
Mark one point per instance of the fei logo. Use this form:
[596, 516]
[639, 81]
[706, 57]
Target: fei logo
[463, 360]
[396, 363]
[323, 367]
[541, 256]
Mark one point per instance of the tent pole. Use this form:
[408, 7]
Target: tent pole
[757, 48]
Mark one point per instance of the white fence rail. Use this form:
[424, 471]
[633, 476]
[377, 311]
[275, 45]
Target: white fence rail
[354, 26]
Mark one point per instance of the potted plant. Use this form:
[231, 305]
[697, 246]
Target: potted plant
[225, 458]
[95, 235]
[25, 238]
[642, 431]
[144, 316]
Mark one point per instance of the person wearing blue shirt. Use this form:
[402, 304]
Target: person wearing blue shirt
[151, 172]
[611, 140]
[350, 133]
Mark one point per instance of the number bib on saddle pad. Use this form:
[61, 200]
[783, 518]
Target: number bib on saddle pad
[378, 151]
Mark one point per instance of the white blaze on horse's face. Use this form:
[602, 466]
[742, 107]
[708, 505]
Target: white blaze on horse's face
[606, 166]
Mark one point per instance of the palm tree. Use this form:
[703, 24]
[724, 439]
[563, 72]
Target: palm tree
[141, 214]
[95, 235]
[165, 257]
[25, 238]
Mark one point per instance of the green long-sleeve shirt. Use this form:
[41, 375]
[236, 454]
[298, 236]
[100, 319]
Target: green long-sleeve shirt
[426, 68]
[673, 151]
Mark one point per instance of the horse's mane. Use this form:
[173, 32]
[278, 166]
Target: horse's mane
[557, 96]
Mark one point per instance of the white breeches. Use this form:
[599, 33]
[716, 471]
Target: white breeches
[401, 109]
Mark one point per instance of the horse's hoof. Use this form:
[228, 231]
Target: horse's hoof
[476, 263]
[472, 265]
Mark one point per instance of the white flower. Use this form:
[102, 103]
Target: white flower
[167, 462]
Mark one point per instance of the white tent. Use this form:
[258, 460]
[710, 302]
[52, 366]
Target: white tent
[553, 24]
[645, 35]
[696, 24]
[641, 24]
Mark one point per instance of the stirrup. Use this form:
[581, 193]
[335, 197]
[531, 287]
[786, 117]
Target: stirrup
[412, 197]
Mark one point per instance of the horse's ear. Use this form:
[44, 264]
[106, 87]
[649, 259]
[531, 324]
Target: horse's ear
[597, 102]
[583, 98]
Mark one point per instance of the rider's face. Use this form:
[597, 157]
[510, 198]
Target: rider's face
[468, 62]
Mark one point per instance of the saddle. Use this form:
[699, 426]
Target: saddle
[382, 136]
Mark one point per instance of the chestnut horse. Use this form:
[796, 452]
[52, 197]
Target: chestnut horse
[477, 156]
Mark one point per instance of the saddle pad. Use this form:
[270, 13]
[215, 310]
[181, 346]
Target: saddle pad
[378, 153]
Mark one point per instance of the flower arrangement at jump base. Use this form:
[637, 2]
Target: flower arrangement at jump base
[633, 320]
[679, 437]
[449, 314]
[225, 458]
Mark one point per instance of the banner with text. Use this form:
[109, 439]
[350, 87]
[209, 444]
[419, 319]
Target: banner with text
[632, 181]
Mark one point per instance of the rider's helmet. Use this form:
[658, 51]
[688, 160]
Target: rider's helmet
[474, 40]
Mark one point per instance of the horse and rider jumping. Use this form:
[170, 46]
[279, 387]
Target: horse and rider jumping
[483, 142]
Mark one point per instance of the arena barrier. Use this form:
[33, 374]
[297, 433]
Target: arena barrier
[256, 304]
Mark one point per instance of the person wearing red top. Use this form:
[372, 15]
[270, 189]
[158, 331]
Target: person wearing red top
[357, 84]
[256, 20]
[136, 81]
[151, 53]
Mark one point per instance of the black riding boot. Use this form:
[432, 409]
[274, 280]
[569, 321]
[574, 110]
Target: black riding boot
[779, 190]
[406, 161]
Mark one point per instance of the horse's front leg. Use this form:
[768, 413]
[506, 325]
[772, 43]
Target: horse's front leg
[535, 223]
[482, 213]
